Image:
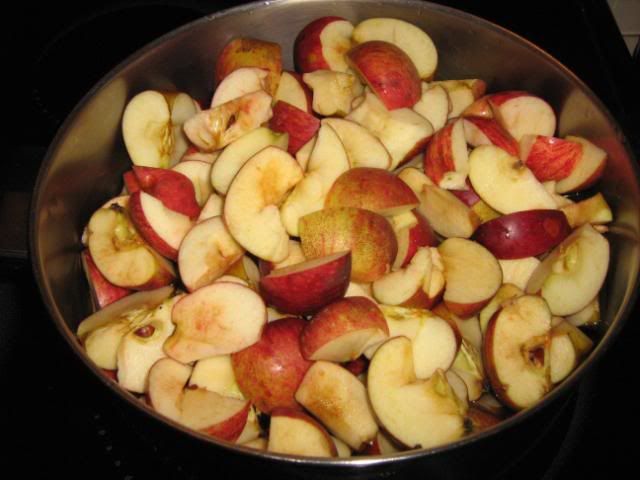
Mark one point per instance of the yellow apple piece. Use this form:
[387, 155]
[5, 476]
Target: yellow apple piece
[333, 92]
[296, 433]
[362, 147]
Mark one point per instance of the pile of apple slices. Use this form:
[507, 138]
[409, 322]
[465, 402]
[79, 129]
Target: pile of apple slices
[374, 260]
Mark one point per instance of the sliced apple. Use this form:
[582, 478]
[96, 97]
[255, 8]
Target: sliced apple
[103, 292]
[589, 167]
[434, 105]
[589, 316]
[333, 92]
[304, 153]
[217, 319]
[507, 291]
[173, 188]
[472, 276]
[199, 173]
[487, 131]
[468, 366]
[363, 149]
[292, 90]
[167, 379]
[299, 124]
[251, 206]
[549, 158]
[446, 214]
[410, 39]
[412, 237]
[212, 208]
[238, 83]
[518, 271]
[462, 93]
[594, 210]
[216, 375]
[505, 183]
[246, 270]
[516, 351]
[522, 113]
[295, 433]
[562, 357]
[322, 44]
[339, 400]
[446, 159]
[571, 276]
[417, 413]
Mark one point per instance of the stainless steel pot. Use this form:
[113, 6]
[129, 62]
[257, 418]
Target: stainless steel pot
[84, 164]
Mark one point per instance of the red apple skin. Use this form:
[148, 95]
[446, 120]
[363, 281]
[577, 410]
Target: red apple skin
[479, 108]
[552, 158]
[523, 234]
[147, 232]
[420, 235]
[389, 72]
[497, 135]
[231, 428]
[438, 157]
[110, 374]
[339, 318]
[270, 371]
[421, 300]
[300, 125]
[370, 188]
[357, 366]
[480, 418]
[499, 98]
[466, 310]
[308, 46]
[306, 291]
[469, 197]
[103, 291]
[372, 448]
[131, 182]
[173, 189]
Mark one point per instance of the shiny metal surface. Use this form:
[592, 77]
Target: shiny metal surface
[87, 158]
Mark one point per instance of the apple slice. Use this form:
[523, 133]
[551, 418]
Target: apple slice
[388, 71]
[339, 400]
[217, 319]
[481, 419]
[251, 432]
[518, 272]
[588, 170]
[217, 127]
[167, 379]
[507, 291]
[206, 253]
[516, 351]
[363, 149]
[322, 44]
[403, 132]
[270, 371]
[505, 183]
[103, 292]
[410, 39]
[294, 257]
[563, 357]
[580, 341]
[373, 189]
[446, 159]
[594, 210]
[466, 328]
[549, 158]
[589, 316]
[343, 450]
[121, 254]
[216, 375]
[194, 154]
[251, 206]
[212, 208]
[434, 105]
[304, 153]
[522, 113]
[360, 290]
[415, 178]
[571, 276]
[152, 127]
[141, 347]
[462, 93]
[468, 366]
[246, 270]
[416, 413]
[486, 131]
[295, 433]
[327, 162]
[304, 288]
[333, 92]
[199, 173]
[237, 153]
[446, 214]
[411, 238]
[368, 235]
[216, 415]
[174, 189]
[472, 276]
[238, 83]
[248, 52]
[293, 91]
[523, 234]
[299, 124]
[343, 330]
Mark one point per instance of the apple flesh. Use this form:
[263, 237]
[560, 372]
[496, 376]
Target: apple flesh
[212, 208]
[362, 147]
[294, 91]
[238, 83]
[172, 188]
[322, 44]
[167, 379]
[506, 292]
[333, 92]
[293, 432]
[434, 105]
[216, 375]
[299, 124]
[518, 272]
[446, 159]
[462, 93]
[486, 131]
[593, 210]
[411, 238]
[523, 113]
[198, 172]
[447, 214]
[523, 234]
[270, 371]
[588, 170]
[306, 287]
[103, 292]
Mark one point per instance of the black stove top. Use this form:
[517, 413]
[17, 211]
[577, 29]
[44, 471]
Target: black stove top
[58, 419]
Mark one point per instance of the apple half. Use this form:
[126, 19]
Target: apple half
[322, 45]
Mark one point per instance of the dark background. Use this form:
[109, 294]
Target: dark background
[56, 418]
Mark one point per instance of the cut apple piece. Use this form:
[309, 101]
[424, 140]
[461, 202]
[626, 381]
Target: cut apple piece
[217, 319]
[299, 124]
[403, 132]
[173, 188]
[447, 214]
[516, 351]
[589, 316]
[293, 91]
[152, 127]
[459, 387]
[216, 375]
[236, 154]
[462, 93]
[523, 234]
[588, 169]
[343, 330]
[445, 159]
[549, 158]
[251, 432]
[217, 127]
[304, 153]
[593, 210]
[101, 344]
[103, 292]
[304, 288]
[294, 257]
[472, 276]
[410, 39]
[333, 92]
[363, 149]
[518, 272]
[411, 238]
[343, 450]
[468, 366]
[562, 357]
[248, 52]
[418, 414]
[251, 206]
[481, 419]
[486, 131]
[270, 371]
[522, 113]
[322, 44]
[295, 433]
[212, 208]
[121, 254]
[327, 162]
[339, 400]
[368, 235]
[468, 328]
[238, 83]
[199, 173]
[206, 253]
[434, 105]
[506, 292]
[571, 276]
[415, 178]
[580, 340]
[167, 379]
[246, 270]
[505, 183]
[360, 290]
